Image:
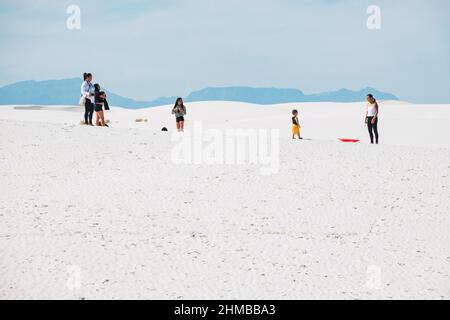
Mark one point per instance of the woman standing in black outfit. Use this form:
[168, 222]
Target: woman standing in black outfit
[86, 92]
[372, 118]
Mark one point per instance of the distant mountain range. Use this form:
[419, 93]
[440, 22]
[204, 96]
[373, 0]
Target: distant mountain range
[66, 92]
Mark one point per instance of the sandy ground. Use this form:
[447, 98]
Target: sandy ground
[99, 213]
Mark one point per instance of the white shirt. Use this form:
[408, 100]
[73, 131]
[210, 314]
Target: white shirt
[372, 109]
[86, 90]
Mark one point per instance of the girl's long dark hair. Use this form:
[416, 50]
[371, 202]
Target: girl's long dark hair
[97, 87]
[178, 100]
[86, 75]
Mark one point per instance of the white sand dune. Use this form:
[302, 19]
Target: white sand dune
[90, 212]
[401, 123]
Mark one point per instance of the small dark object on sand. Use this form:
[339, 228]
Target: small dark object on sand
[164, 129]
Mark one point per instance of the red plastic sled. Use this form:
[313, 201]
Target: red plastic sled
[349, 140]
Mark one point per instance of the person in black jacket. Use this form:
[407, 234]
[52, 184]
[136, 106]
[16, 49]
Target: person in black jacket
[100, 101]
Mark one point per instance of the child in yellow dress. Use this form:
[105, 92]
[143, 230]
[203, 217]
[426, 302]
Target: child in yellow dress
[295, 125]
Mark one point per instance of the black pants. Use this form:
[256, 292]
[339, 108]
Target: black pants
[373, 128]
[88, 111]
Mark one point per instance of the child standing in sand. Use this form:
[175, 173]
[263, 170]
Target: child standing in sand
[100, 100]
[179, 110]
[295, 125]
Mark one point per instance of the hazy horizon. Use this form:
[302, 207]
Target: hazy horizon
[199, 89]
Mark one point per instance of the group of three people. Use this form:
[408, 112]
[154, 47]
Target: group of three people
[371, 119]
[94, 99]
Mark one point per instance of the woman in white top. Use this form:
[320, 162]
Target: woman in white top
[372, 117]
[86, 92]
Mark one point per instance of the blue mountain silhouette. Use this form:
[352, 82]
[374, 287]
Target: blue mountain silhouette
[66, 92]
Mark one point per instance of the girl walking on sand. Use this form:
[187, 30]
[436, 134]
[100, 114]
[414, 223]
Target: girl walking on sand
[295, 125]
[179, 110]
[86, 93]
[372, 112]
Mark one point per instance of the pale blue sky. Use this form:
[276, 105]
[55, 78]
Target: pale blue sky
[147, 49]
